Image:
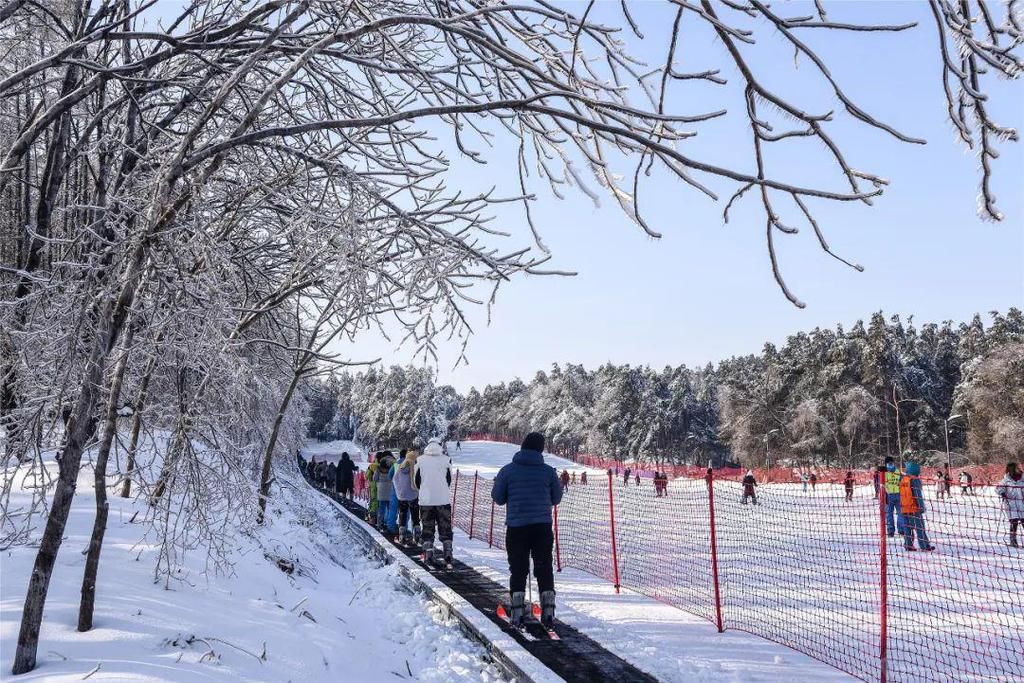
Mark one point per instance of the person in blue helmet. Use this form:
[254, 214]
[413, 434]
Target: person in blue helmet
[912, 508]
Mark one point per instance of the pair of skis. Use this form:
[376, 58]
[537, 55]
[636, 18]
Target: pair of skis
[549, 633]
[434, 566]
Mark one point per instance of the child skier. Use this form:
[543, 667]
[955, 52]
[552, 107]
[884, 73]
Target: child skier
[1011, 490]
[383, 479]
[848, 485]
[529, 488]
[748, 488]
[371, 504]
[912, 508]
[433, 477]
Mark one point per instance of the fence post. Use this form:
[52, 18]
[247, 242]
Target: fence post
[490, 535]
[472, 505]
[883, 582]
[611, 516]
[558, 552]
[714, 548]
[455, 499]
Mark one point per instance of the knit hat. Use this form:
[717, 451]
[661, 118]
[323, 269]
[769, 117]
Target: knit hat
[534, 441]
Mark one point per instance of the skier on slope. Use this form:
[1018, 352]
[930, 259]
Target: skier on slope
[912, 508]
[433, 477]
[583, 478]
[814, 482]
[848, 486]
[529, 488]
[408, 504]
[564, 479]
[749, 483]
[891, 482]
[1011, 490]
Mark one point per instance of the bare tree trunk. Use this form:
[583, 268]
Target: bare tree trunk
[99, 528]
[268, 452]
[133, 443]
[110, 321]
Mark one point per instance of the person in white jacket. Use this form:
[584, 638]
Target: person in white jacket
[1011, 490]
[433, 476]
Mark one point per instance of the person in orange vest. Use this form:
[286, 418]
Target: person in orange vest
[912, 508]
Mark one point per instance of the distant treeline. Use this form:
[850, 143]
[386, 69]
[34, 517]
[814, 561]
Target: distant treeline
[827, 397]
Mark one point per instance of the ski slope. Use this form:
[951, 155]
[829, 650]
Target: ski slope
[663, 640]
[801, 568]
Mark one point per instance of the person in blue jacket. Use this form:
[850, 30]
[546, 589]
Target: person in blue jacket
[529, 488]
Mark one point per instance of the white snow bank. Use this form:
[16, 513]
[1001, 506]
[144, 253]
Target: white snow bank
[339, 617]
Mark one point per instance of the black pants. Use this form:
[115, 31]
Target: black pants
[408, 509]
[1014, 523]
[522, 542]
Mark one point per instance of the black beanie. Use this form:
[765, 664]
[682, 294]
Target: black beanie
[534, 441]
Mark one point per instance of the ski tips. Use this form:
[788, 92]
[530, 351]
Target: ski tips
[536, 610]
[501, 612]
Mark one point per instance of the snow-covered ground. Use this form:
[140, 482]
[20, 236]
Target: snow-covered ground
[339, 617]
[801, 568]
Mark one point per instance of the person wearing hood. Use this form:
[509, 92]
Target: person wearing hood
[408, 505]
[346, 476]
[433, 478]
[1011, 490]
[529, 488]
[912, 508]
[748, 488]
[383, 478]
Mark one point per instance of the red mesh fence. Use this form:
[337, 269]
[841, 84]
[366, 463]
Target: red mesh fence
[814, 570]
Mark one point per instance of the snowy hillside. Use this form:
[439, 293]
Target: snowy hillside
[338, 616]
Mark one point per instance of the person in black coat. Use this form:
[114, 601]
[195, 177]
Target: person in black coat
[346, 475]
[331, 476]
[748, 488]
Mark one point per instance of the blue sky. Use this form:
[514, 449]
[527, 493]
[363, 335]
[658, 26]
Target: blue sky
[704, 291]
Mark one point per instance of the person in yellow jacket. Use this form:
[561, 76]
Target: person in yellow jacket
[891, 482]
[371, 506]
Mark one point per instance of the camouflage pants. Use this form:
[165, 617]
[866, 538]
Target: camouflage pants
[439, 517]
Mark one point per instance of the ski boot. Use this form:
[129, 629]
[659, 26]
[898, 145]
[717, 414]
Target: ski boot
[547, 609]
[405, 537]
[417, 536]
[448, 555]
[517, 609]
[428, 555]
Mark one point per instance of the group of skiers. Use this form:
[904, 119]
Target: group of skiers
[410, 500]
[944, 483]
[660, 484]
[339, 478]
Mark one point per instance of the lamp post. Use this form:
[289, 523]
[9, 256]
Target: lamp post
[946, 432]
[767, 459]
